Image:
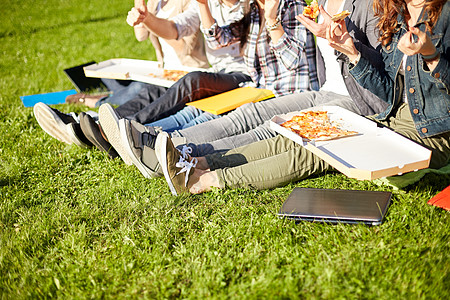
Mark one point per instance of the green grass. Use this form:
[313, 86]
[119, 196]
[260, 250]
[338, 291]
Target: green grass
[76, 225]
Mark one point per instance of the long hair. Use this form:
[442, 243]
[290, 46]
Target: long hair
[241, 28]
[388, 11]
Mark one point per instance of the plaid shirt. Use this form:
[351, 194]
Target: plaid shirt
[285, 67]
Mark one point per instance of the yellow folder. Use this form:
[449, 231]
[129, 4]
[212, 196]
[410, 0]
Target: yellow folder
[230, 100]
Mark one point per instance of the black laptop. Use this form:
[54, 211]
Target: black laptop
[82, 83]
[336, 206]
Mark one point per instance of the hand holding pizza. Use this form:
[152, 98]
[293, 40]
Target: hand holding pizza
[138, 13]
[318, 30]
[339, 38]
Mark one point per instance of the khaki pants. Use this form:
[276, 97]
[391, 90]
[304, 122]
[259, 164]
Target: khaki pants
[278, 161]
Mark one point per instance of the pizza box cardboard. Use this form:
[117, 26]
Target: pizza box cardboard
[375, 152]
[131, 69]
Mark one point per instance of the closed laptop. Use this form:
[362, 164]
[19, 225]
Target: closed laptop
[336, 206]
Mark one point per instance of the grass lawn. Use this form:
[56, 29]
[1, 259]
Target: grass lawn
[75, 224]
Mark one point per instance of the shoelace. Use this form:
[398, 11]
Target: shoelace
[185, 165]
[186, 151]
[75, 116]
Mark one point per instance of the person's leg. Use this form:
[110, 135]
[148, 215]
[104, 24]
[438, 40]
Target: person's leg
[115, 85]
[193, 86]
[265, 164]
[122, 94]
[269, 172]
[147, 95]
[188, 116]
[249, 123]
[202, 118]
[439, 145]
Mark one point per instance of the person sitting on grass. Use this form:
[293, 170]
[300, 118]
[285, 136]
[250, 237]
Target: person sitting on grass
[249, 123]
[414, 82]
[188, 51]
[279, 54]
[288, 67]
[155, 102]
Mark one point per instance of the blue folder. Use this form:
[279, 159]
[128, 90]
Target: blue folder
[47, 98]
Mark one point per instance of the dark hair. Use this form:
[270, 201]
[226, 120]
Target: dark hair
[241, 28]
[388, 11]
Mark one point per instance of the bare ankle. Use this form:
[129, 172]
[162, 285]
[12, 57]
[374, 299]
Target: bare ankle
[204, 181]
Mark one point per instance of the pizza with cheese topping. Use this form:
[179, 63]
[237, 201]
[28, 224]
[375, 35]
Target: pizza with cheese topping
[172, 75]
[316, 125]
[311, 11]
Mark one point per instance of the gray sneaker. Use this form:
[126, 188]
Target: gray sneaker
[139, 142]
[109, 121]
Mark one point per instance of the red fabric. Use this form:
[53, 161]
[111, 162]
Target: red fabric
[442, 199]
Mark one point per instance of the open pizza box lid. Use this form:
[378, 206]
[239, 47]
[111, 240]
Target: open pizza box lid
[374, 152]
[132, 69]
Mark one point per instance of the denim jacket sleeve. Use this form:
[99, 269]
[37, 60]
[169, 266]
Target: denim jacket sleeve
[376, 80]
[440, 74]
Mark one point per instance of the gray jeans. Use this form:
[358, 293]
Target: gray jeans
[250, 122]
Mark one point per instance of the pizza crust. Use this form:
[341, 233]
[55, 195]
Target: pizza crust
[340, 16]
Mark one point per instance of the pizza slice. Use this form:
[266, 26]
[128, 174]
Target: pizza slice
[173, 75]
[311, 11]
[340, 16]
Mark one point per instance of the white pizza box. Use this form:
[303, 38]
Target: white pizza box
[132, 69]
[375, 152]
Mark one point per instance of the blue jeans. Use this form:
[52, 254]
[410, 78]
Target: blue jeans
[154, 103]
[122, 91]
[187, 117]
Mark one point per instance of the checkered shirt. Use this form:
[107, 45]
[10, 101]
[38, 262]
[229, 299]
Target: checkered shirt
[285, 67]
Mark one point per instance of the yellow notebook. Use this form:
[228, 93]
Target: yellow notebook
[230, 100]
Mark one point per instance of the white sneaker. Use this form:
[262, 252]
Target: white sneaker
[109, 121]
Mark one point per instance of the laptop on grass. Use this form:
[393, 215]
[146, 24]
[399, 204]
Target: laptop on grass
[336, 206]
[82, 83]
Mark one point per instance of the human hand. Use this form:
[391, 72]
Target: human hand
[202, 2]
[423, 46]
[339, 39]
[318, 30]
[271, 10]
[138, 13]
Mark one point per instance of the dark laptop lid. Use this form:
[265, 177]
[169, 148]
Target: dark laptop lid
[336, 206]
[80, 81]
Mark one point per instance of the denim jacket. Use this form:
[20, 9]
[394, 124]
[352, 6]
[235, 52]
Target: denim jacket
[428, 92]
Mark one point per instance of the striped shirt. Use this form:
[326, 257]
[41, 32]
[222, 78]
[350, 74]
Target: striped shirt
[285, 67]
